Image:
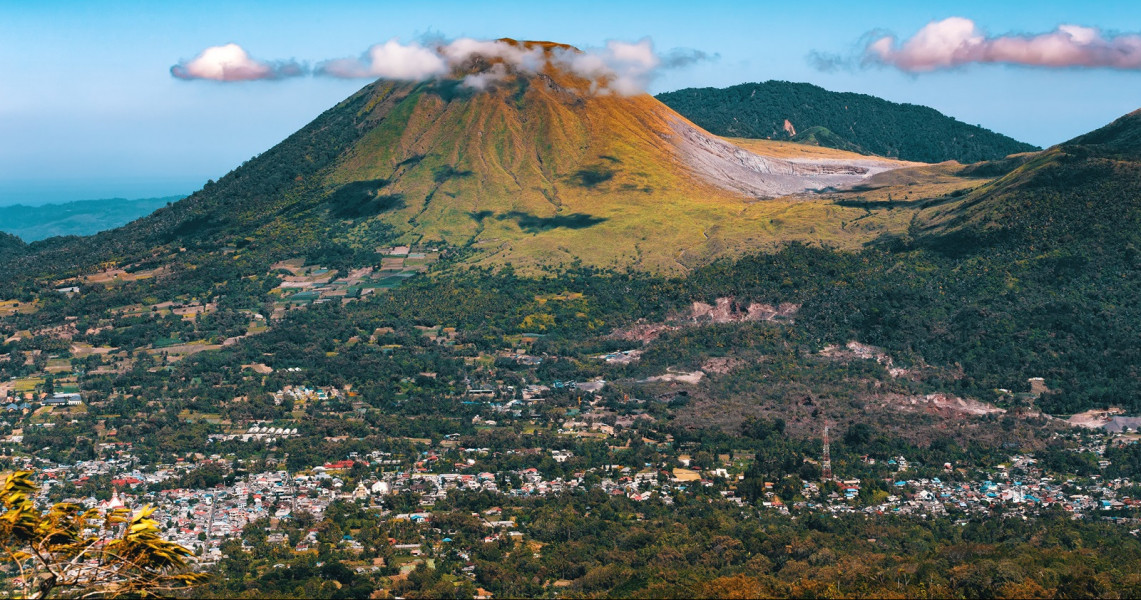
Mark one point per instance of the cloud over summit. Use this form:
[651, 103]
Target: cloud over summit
[390, 60]
[619, 67]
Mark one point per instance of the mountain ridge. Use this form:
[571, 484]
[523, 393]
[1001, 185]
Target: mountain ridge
[1083, 191]
[854, 121]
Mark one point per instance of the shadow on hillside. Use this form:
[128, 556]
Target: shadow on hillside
[445, 172]
[196, 227]
[411, 161]
[591, 177]
[449, 89]
[534, 224]
[362, 199]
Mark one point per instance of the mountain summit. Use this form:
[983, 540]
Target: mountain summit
[529, 153]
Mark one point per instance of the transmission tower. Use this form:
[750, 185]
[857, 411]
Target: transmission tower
[826, 464]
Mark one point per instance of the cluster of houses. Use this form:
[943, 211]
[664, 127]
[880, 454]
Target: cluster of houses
[266, 434]
[1023, 494]
[203, 518]
[304, 394]
[57, 399]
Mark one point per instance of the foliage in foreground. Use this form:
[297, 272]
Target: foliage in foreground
[87, 553]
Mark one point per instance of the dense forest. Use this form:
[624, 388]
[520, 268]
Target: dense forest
[10, 246]
[998, 314]
[591, 545]
[843, 120]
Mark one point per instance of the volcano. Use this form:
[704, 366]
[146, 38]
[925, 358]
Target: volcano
[545, 164]
[535, 167]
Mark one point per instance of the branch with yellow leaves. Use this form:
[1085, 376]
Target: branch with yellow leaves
[88, 553]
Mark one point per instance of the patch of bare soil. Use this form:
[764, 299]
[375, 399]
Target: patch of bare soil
[728, 310]
[942, 404]
[721, 365]
[642, 331]
[82, 350]
[856, 350]
[738, 170]
[62, 332]
[724, 310]
[693, 377]
[1094, 419]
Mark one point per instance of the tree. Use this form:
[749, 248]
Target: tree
[87, 553]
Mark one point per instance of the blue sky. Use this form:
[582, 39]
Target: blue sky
[88, 107]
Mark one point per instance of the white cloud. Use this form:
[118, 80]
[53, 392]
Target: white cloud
[526, 59]
[624, 68]
[957, 41]
[232, 63]
[484, 79]
[390, 60]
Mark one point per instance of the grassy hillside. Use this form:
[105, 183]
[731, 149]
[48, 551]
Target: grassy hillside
[86, 217]
[525, 173]
[1119, 139]
[848, 121]
[536, 172]
[537, 175]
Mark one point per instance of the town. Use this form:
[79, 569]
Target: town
[408, 487]
[397, 444]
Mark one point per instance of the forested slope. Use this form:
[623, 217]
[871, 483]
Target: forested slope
[848, 121]
[10, 246]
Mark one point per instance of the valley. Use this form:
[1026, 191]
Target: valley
[530, 339]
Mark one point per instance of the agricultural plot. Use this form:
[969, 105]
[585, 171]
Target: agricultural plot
[314, 284]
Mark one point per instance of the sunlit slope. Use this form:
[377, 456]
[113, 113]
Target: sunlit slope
[796, 150]
[530, 174]
[536, 172]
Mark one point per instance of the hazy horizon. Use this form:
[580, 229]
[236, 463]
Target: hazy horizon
[31, 192]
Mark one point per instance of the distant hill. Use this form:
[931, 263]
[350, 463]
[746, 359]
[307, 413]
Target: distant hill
[844, 120]
[84, 217]
[1050, 257]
